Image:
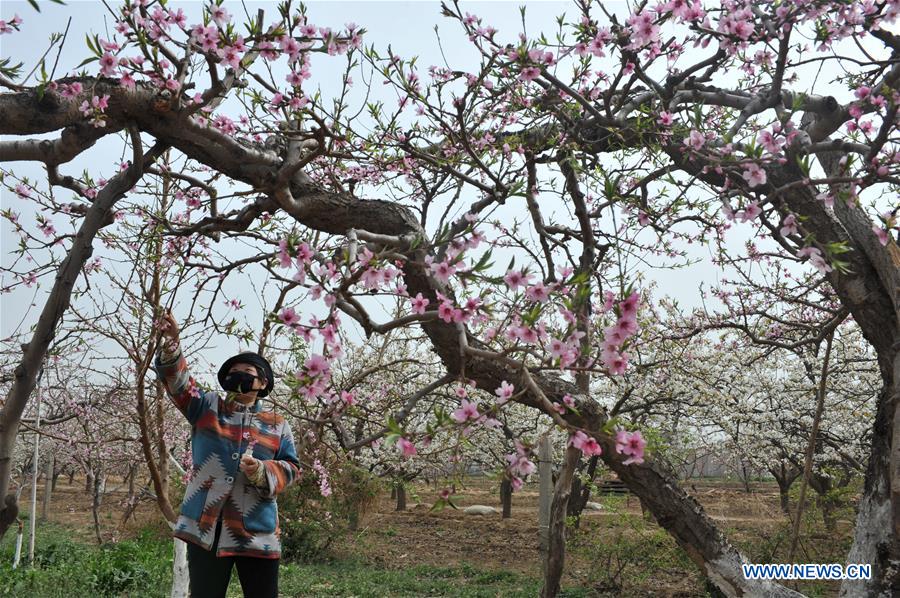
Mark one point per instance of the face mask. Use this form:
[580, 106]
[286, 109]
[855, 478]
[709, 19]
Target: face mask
[239, 382]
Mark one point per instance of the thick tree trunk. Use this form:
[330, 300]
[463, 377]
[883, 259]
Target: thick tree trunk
[180, 578]
[557, 536]
[872, 536]
[785, 474]
[581, 493]
[506, 492]
[401, 496]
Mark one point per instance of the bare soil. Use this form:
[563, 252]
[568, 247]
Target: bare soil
[420, 536]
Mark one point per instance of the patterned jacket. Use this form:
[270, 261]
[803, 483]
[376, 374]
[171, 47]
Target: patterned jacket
[220, 432]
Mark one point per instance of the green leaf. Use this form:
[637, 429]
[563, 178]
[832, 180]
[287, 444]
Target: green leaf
[87, 61]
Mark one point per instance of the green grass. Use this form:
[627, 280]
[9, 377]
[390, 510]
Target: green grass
[65, 567]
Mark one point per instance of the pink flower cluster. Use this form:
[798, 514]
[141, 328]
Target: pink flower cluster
[519, 465]
[631, 444]
[749, 213]
[448, 312]
[407, 448]
[754, 175]
[467, 411]
[789, 226]
[644, 30]
[96, 109]
[614, 359]
[587, 444]
[324, 484]
[11, 25]
[815, 258]
[504, 392]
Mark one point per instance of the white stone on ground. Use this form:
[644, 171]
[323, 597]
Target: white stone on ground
[480, 510]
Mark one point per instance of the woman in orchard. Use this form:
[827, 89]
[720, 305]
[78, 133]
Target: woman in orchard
[242, 459]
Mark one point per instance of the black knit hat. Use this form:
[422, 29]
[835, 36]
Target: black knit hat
[255, 360]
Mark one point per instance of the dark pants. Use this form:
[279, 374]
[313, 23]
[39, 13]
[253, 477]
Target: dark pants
[210, 574]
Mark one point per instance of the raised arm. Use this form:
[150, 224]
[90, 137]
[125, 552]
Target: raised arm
[172, 369]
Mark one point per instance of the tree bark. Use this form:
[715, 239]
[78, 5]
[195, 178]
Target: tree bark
[506, 492]
[784, 475]
[558, 509]
[401, 496]
[180, 577]
[49, 482]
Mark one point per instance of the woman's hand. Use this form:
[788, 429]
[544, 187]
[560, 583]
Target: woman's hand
[250, 466]
[170, 330]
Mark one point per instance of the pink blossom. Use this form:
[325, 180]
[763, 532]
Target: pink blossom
[504, 392]
[615, 362]
[316, 366]
[289, 317]
[294, 78]
[881, 233]
[789, 226]
[557, 347]
[695, 140]
[230, 56]
[529, 73]
[627, 325]
[23, 191]
[587, 444]
[815, 258]
[644, 30]
[420, 304]
[108, 65]
[515, 278]
[47, 228]
[219, 15]
[742, 28]
[407, 448]
[468, 410]
[754, 175]
[629, 305]
[443, 271]
[769, 142]
[291, 47]
[538, 292]
[70, 90]
[750, 212]
[11, 25]
[631, 444]
[446, 311]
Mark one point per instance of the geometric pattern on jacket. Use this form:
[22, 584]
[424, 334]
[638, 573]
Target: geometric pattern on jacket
[220, 433]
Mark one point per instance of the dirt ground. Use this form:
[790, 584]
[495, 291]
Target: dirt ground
[449, 537]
